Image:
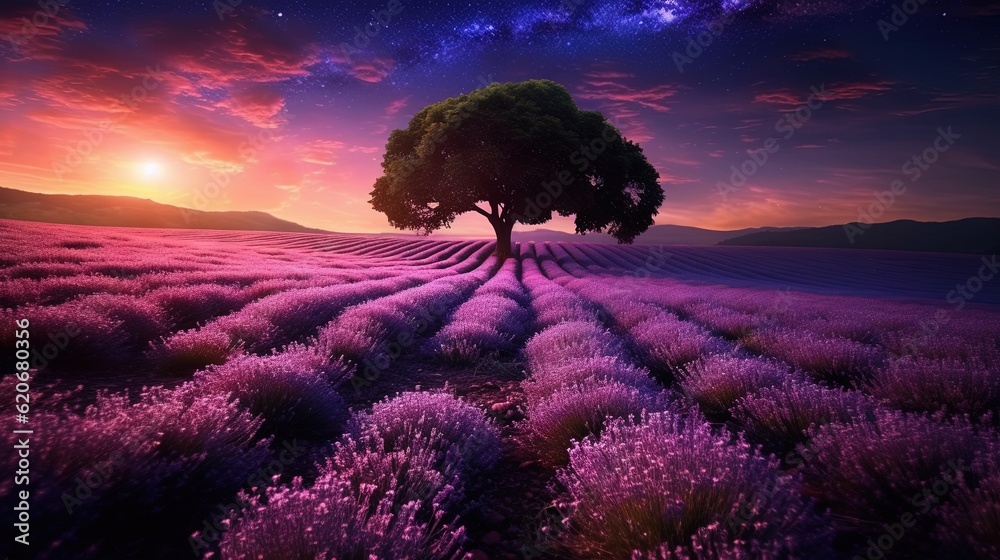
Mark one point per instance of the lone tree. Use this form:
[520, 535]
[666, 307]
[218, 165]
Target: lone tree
[516, 153]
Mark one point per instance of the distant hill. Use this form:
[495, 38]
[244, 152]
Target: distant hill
[655, 235]
[970, 235]
[127, 211]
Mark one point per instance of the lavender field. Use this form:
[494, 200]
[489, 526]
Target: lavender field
[281, 396]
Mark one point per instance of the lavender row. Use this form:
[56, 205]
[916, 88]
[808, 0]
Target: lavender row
[278, 319]
[371, 336]
[961, 380]
[391, 489]
[290, 316]
[579, 373]
[492, 323]
[710, 372]
[654, 481]
[958, 386]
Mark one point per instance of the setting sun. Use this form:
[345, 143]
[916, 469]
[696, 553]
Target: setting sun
[152, 170]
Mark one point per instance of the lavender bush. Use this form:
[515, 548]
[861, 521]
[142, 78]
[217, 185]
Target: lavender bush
[100, 338]
[577, 411]
[364, 333]
[558, 306]
[969, 523]
[834, 360]
[568, 339]
[414, 474]
[485, 326]
[669, 488]
[869, 472]
[671, 343]
[576, 370]
[729, 323]
[333, 521]
[194, 349]
[186, 306]
[157, 466]
[927, 385]
[291, 399]
[469, 343]
[716, 382]
[456, 430]
[779, 416]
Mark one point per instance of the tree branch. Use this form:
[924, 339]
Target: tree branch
[481, 211]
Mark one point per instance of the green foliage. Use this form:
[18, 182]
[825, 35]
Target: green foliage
[516, 153]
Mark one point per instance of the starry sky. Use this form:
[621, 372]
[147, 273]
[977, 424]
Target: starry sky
[285, 106]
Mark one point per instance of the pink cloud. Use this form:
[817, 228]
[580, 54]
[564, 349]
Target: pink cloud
[321, 152]
[653, 97]
[31, 33]
[396, 106]
[258, 104]
[832, 92]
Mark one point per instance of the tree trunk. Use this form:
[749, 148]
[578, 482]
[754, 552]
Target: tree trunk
[503, 230]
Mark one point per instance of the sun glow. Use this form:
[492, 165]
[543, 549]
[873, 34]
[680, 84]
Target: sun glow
[152, 170]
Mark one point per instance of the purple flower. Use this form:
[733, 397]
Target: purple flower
[194, 349]
[835, 360]
[927, 385]
[577, 369]
[332, 520]
[869, 472]
[577, 411]
[779, 416]
[969, 522]
[570, 339]
[293, 400]
[671, 343]
[455, 429]
[667, 487]
[715, 383]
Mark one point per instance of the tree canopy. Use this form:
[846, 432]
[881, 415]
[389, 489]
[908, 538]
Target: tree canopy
[516, 153]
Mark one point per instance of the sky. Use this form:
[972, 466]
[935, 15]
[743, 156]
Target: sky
[754, 112]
